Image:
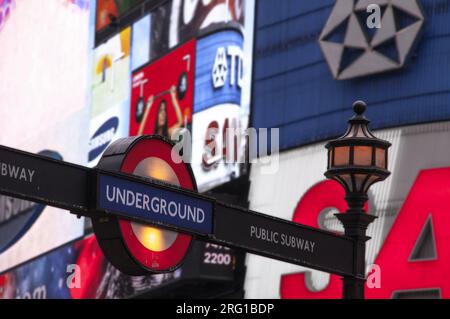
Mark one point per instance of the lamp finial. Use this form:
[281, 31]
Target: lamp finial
[359, 107]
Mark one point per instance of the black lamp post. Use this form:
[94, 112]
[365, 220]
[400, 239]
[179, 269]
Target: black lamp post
[357, 160]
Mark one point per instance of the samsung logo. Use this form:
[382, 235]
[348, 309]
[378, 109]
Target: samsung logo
[101, 139]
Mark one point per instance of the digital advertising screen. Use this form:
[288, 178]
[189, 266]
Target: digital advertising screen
[178, 21]
[176, 71]
[70, 101]
[43, 109]
[140, 42]
[309, 64]
[223, 75]
[77, 270]
[163, 94]
[183, 68]
[110, 93]
[219, 107]
[108, 10]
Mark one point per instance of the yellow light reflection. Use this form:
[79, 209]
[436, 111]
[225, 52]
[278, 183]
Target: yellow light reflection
[153, 238]
[150, 237]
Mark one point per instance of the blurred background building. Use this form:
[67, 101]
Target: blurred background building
[77, 75]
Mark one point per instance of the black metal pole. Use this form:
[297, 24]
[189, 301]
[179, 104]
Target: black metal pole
[355, 223]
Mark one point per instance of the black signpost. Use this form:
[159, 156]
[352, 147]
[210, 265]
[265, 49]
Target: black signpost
[283, 240]
[229, 225]
[98, 193]
[64, 185]
[44, 180]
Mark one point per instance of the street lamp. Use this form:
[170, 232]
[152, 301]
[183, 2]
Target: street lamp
[357, 160]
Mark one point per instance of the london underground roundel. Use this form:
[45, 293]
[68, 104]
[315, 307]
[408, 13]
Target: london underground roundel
[134, 248]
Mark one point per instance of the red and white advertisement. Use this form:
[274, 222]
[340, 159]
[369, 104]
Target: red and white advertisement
[408, 252]
[162, 94]
[43, 88]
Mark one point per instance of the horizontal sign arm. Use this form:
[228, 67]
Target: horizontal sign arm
[142, 200]
[283, 240]
[94, 192]
[44, 180]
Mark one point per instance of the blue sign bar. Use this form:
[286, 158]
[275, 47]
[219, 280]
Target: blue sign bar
[154, 204]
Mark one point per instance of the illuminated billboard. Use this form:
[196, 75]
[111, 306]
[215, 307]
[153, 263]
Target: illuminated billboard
[6, 7]
[220, 82]
[189, 69]
[223, 74]
[110, 94]
[54, 275]
[407, 255]
[108, 10]
[178, 21]
[43, 110]
[315, 59]
[147, 79]
[163, 94]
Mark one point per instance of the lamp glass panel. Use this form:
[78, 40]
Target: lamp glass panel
[380, 156]
[362, 155]
[359, 180]
[342, 156]
[347, 179]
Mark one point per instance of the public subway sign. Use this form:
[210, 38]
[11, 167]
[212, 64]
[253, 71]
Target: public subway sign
[105, 195]
[154, 204]
[283, 240]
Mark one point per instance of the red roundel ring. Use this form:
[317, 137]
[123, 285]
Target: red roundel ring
[136, 249]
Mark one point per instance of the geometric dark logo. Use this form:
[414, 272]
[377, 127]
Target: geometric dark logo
[352, 49]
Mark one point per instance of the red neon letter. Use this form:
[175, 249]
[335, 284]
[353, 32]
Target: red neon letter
[428, 198]
[326, 194]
